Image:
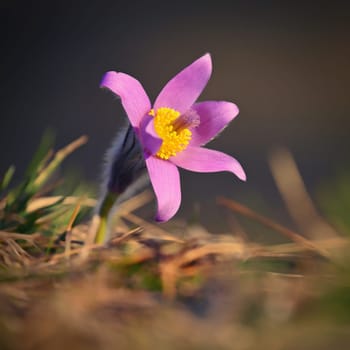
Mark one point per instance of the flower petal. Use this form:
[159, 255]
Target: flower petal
[206, 161]
[165, 180]
[134, 98]
[214, 117]
[183, 90]
[150, 140]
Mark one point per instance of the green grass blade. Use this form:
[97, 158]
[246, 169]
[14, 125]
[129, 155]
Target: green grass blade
[40, 155]
[7, 178]
[58, 158]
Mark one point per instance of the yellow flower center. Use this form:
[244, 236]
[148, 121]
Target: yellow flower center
[173, 129]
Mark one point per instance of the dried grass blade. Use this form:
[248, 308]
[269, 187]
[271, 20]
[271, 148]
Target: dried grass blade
[70, 226]
[249, 213]
[293, 191]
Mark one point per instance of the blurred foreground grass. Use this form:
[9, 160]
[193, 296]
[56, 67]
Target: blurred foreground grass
[168, 287]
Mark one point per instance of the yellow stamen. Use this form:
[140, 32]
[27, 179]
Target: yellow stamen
[174, 140]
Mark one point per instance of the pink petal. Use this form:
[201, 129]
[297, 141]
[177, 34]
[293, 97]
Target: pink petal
[206, 161]
[165, 180]
[150, 140]
[214, 117]
[183, 90]
[134, 98]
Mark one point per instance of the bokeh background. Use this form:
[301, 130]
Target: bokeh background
[285, 64]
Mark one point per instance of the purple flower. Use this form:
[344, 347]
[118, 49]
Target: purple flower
[173, 130]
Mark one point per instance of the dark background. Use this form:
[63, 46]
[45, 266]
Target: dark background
[285, 64]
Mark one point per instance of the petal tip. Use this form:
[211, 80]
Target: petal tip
[165, 214]
[235, 110]
[237, 169]
[240, 173]
[160, 219]
[243, 177]
[207, 56]
[232, 110]
[107, 79]
[207, 59]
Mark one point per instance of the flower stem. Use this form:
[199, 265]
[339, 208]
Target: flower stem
[104, 211]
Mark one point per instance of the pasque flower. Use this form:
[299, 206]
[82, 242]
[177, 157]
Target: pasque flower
[173, 131]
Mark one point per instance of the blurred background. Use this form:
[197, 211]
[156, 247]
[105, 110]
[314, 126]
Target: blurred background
[285, 64]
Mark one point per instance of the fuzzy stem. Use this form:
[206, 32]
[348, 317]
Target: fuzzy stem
[106, 206]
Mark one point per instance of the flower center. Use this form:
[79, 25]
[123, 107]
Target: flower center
[173, 129]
